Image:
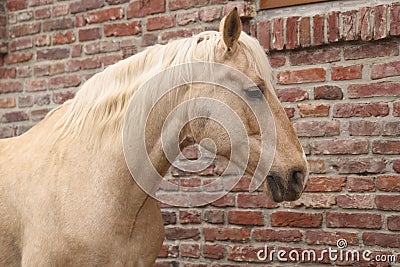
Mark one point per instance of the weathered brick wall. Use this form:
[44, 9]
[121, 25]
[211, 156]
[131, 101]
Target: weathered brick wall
[337, 72]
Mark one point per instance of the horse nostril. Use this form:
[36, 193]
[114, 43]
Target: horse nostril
[297, 180]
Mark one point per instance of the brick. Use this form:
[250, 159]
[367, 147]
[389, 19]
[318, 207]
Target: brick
[264, 34]
[313, 201]
[290, 112]
[10, 86]
[42, 40]
[277, 59]
[359, 166]
[57, 24]
[61, 97]
[355, 201]
[32, 3]
[210, 14]
[388, 202]
[364, 23]
[226, 201]
[383, 70]
[353, 220]
[80, 20]
[340, 73]
[6, 132]
[214, 216]
[347, 110]
[16, 5]
[36, 85]
[245, 217]
[104, 15]
[169, 217]
[140, 8]
[89, 34]
[64, 81]
[213, 251]
[380, 15]
[333, 27]
[122, 29]
[42, 99]
[277, 34]
[318, 30]
[315, 56]
[375, 89]
[180, 233]
[189, 216]
[149, 39]
[21, 44]
[7, 102]
[82, 6]
[14, 116]
[395, 19]
[328, 92]
[292, 94]
[63, 38]
[7, 73]
[389, 183]
[292, 32]
[391, 128]
[25, 101]
[258, 200]
[371, 50]
[314, 110]
[317, 128]
[301, 76]
[243, 253]
[364, 128]
[160, 22]
[110, 60]
[52, 53]
[24, 71]
[226, 234]
[296, 219]
[39, 114]
[179, 33]
[189, 250]
[381, 239]
[316, 166]
[325, 184]
[393, 223]
[349, 20]
[340, 146]
[396, 165]
[386, 147]
[43, 13]
[360, 184]
[17, 58]
[270, 235]
[305, 32]
[60, 10]
[181, 4]
[320, 237]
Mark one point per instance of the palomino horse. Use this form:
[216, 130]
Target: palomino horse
[67, 197]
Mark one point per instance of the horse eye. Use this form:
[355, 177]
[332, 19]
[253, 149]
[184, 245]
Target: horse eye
[254, 92]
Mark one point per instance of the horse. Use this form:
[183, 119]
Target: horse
[67, 196]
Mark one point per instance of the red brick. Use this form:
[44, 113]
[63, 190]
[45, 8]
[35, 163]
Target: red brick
[396, 165]
[393, 223]
[17, 58]
[226, 234]
[355, 201]
[24, 71]
[328, 92]
[241, 217]
[25, 101]
[226, 201]
[258, 200]
[213, 251]
[315, 56]
[210, 14]
[375, 89]
[277, 34]
[180, 233]
[110, 60]
[305, 32]
[395, 19]
[340, 73]
[39, 114]
[264, 34]
[160, 22]
[182, 4]
[320, 237]
[89, 34]
[33, 3]
[7, 102]
[60, 10]
[63, 38]
[317, 128]
[371, 50]
[381, 239]
[364, 23]
[360, 184]
[359, 165]
[296, 219]
[178, 33]
[349, 20]
[61, 97]
[389, 183]
[42, 40]
[122, 29]
[186, 18]
[189, 250]
[6, 132]
[301, 76]
[340, 146]
[313, 201]
[21, 43]
[80, 20]
[325, 184]
[104, 15]
[333, 27]
[292, 32]
[391, 128]
[387, 147]
[246, 254]
[7, 73]
[140, 8]
[214, 216]
[319, 29]
[109, 46]
[14, 116]
[64, 81]
[82, 6]
[380, 22]
[291, 94]
[36, 85]
[364, 128]
[189, 216]
[43, 13]
[57, 24]
[52, 53]
[388, 202]
[316, 166]
[270, 235]
[277, 59]
[382, 70]
[353, 220]
[290, 112]
[314, 110]
[347, 110]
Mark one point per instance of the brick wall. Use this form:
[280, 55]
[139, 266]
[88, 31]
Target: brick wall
[337, 72]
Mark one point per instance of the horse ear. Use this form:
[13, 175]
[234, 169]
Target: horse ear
[231, 27]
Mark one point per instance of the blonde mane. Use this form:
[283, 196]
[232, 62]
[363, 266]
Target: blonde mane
[102, 101]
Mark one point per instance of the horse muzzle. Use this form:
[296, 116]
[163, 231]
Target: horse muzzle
[289, 190]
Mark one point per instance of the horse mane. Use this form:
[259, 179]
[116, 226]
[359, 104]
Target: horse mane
[102, 101]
